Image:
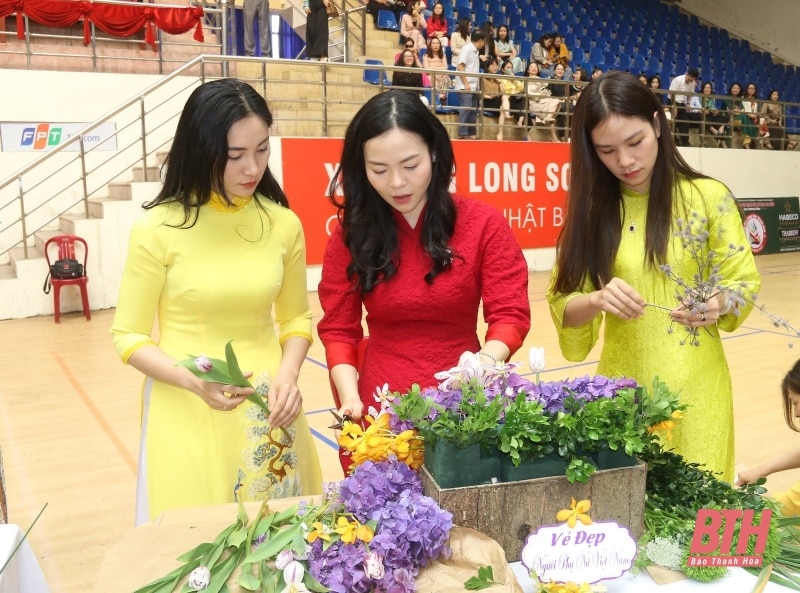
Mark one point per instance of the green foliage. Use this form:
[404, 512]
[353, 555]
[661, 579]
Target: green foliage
[484, 580]
[526, 433]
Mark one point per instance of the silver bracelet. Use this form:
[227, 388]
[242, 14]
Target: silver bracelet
[489, 356]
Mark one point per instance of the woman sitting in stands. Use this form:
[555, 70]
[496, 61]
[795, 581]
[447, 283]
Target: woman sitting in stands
[541, 106]
[772, 112]
[505, 50]
[514, 89]
[459, 39]
[437, 25]
[412, 25]
[396, 7]
[493, 97]
[434, 59]
[737, 116]
[654, 82]
[750, 108]
[561, 91]
[539, 53]
[714, 119]
[409, 81]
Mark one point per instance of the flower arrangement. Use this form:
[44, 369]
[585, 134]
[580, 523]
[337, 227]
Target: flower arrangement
[526, 421]
[707, 281]
[373, 531]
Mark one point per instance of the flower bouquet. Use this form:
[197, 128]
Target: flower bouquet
[495, 411]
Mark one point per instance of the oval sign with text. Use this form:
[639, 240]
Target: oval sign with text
[584, 553]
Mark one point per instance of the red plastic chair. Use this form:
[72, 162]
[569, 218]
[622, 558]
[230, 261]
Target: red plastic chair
[66, 249]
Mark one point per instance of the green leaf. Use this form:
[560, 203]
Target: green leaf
[484, 580]
[233, 366]
[247, 578]
[313, 584]
[273, 546]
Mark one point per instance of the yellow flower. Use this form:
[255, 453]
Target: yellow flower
[664, 426]
[318, 531]
[365, 533]
[346, 530]
[578, 511]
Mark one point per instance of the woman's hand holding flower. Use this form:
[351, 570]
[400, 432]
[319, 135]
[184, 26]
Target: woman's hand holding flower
[702, 314]
[618, 298]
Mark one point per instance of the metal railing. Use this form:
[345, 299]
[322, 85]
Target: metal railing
[308, 98]
[104, 49]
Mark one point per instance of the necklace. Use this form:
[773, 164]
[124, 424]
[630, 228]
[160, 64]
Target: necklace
[632, 214]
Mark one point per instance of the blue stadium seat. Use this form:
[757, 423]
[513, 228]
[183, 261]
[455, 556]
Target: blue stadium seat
[639, 63]
[373, 75]
[387, 21]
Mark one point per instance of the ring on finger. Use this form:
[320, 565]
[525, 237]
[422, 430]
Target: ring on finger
[703, 317]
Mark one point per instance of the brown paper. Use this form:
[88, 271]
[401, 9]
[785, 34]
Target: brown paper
[664, 576]
[144, 554]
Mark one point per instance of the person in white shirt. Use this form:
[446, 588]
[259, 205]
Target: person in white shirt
[685, 83]
[468, 99]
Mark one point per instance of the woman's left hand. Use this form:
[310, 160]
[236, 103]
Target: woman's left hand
[706, 314]
[285, 401]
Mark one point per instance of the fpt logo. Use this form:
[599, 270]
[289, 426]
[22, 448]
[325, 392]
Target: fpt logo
[41, 137]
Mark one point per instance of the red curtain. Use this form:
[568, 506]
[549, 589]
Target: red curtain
[114, 19]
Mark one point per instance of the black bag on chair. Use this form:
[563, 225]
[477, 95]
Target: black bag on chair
[63, 269]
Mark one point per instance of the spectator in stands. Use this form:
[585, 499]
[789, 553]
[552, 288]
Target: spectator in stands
[738, 117]
[469, 63]
[437, 25]
[597, 72]
[434, 59]
[561, 92]
[513, 88]
[257, 11]
[412, 25]
[580, 78]
[317, 29]
[494, 99]
[685, 83]
[643, 79]
[539, 53]
[750, 108]
[409, 81]
[773, 115]
[714, 119]
[397, 7]
[654, 82]
[410, 45]
[488, 54]
[459, 39]
[541, 106]
[559, 54]
[506, 50]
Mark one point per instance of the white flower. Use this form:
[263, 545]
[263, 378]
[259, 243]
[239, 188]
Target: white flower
[203, 364]
[536, 359]
[469, 367]
[200, 578]
[283, 559]
[374, 566]
[293, 575]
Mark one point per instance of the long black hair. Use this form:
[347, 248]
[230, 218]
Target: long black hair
[592, 230]
[370, 230]
[791, 385]
[195, 165]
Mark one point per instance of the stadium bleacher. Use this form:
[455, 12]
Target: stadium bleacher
[656, 38]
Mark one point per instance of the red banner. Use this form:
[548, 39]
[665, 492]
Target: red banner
[528, 184]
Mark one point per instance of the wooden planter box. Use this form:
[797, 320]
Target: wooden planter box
[508, 512]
